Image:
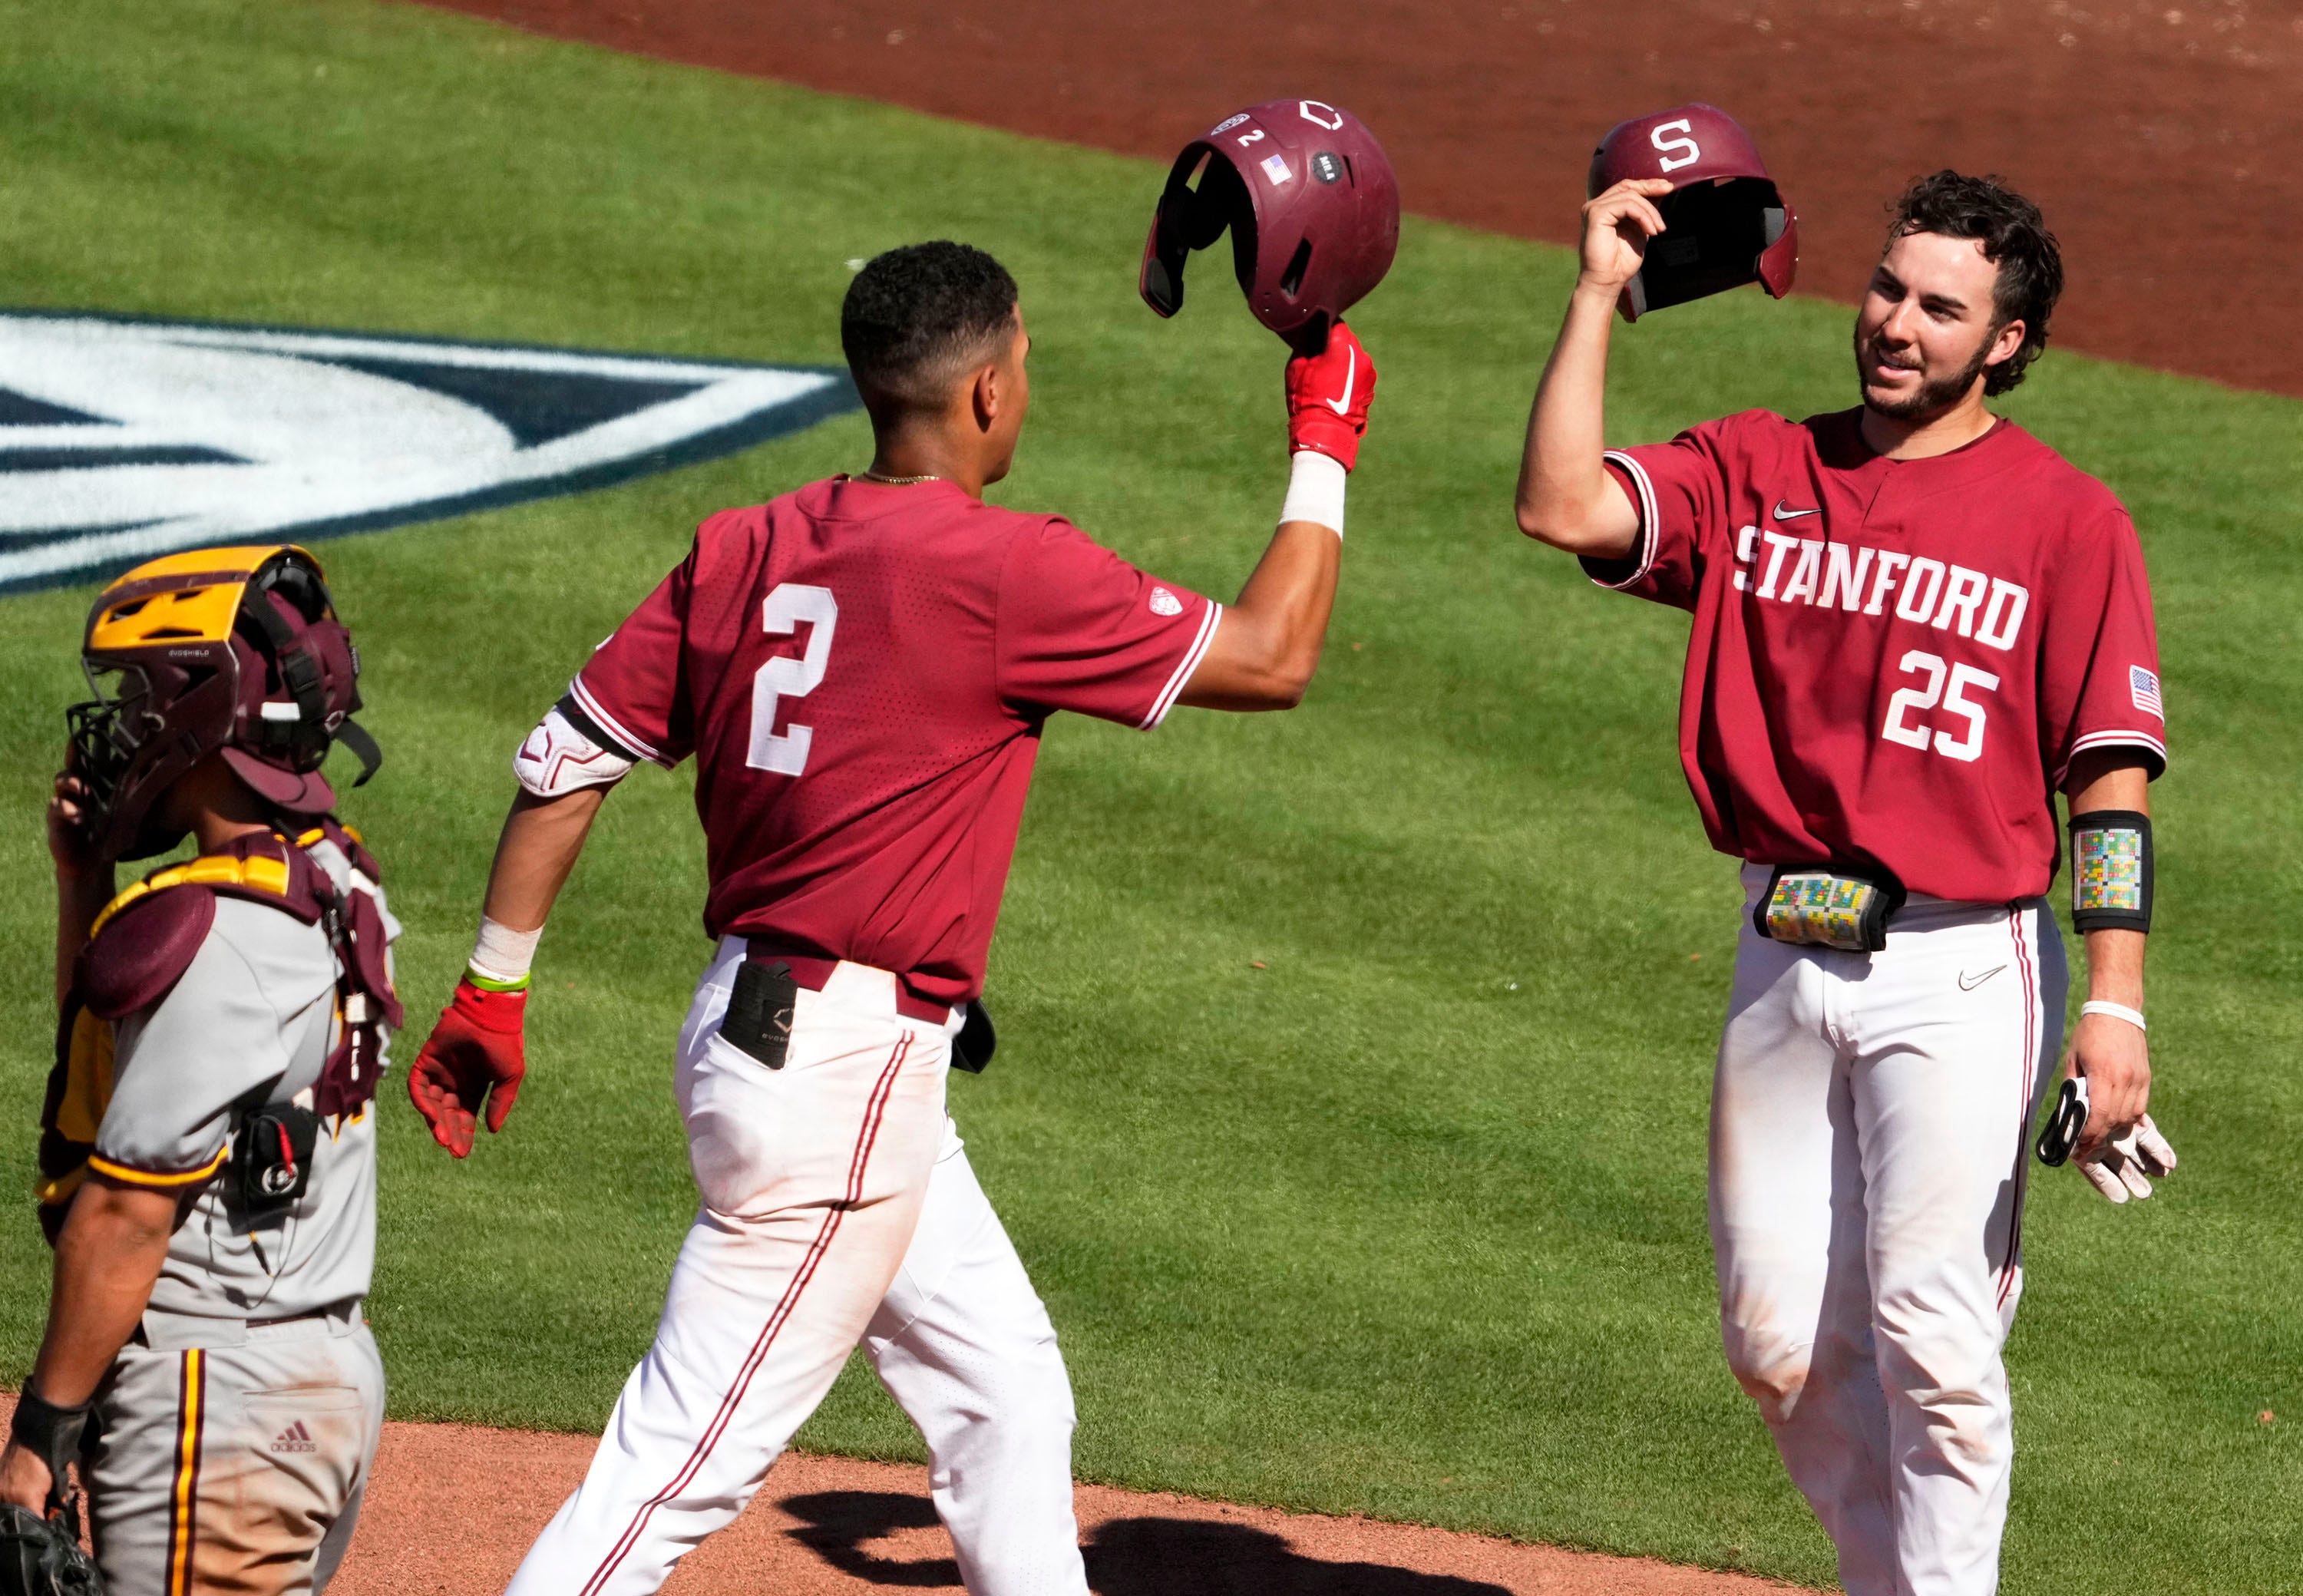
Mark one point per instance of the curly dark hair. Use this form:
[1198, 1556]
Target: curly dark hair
[915, 317]
[2014, 237]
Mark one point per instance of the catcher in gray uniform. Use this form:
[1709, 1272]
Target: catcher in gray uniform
[207, 1155]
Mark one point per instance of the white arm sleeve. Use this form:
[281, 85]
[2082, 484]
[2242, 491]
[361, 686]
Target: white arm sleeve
[557, 758]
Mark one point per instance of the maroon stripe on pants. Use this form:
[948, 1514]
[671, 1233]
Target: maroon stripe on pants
[2031, 1024]
[874, 1114]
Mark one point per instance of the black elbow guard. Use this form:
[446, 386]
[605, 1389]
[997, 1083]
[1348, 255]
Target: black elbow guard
[2111, 871]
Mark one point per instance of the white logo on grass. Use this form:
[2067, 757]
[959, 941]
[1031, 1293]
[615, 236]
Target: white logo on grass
[122, 439]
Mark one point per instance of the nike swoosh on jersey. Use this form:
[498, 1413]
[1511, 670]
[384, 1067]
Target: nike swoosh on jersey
[1969, 983]
[1782, 514]
[1351, 372]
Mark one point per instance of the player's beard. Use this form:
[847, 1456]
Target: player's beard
[1933, 395]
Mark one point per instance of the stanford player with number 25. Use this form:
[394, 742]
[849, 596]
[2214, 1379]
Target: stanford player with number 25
[1912, 623]
[861, 670]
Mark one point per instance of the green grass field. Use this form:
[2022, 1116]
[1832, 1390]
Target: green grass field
[1351, 1107]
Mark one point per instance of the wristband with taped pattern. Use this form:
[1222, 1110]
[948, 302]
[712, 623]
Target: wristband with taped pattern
[2111, 870]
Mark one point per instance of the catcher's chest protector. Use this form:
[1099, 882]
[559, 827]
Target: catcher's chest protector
[147, 937]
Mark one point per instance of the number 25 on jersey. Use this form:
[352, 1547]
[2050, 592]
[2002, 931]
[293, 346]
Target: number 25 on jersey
[1952, 700]
[785, 677]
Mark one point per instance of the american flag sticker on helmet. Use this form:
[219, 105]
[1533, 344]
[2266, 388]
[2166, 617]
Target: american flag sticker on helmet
[2143, 686]
[1275, 167]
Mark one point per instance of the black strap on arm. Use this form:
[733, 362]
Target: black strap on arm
[2111, 870]
[573, 713]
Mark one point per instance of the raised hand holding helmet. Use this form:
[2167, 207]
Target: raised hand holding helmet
[1311, 203]
[1327, 398]
[1727, 221]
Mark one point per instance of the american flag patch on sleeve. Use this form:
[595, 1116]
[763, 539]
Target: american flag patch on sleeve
[2143, 686]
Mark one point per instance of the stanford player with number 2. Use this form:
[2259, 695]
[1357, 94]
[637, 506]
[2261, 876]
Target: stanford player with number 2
[1913, 623]
[861, 670]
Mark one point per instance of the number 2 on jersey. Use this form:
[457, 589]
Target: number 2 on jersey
[1954, 702]
[784, 677]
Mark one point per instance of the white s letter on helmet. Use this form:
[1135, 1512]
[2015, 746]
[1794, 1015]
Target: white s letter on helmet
[1670, 149]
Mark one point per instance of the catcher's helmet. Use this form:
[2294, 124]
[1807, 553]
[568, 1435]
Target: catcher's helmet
[1726, 223]
[235, 650]
[1313, 207]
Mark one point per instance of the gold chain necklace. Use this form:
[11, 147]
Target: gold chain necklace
[870, 474]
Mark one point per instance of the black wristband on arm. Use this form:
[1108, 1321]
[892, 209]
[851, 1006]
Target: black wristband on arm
[2111, 870]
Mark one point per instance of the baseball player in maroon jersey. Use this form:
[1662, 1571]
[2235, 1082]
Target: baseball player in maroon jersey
[1913, 623]
[861, 670]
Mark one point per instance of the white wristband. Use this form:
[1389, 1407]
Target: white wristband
[503, 954]
[2133, 1017]
[1315, 490]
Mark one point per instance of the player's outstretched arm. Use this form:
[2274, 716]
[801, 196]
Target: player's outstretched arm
[1566, 497]
[473, 1063]
[1267, 645]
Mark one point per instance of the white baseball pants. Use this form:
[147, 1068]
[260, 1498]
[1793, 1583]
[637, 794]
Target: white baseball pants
[838, 1206]
[1868, 1146]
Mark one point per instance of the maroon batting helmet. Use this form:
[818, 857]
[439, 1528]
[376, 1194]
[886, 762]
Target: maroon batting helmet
[1726, 223]
[1313, 207]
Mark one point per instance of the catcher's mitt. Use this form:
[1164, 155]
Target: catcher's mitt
[41, 1556]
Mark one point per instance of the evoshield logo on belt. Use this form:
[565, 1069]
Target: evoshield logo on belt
[122, 438]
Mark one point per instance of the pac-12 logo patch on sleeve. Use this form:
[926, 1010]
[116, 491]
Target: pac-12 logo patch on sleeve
[123, 437]
[2143, 686]
[1164, 602]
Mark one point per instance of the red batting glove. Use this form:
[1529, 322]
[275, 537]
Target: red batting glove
[474, 1052]
[1328, 396]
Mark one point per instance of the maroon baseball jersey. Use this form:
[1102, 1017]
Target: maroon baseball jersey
[862, 672]
[1892, 662]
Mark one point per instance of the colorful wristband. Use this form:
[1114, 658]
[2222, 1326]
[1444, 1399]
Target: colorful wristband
[491, 983]
[2111, 870]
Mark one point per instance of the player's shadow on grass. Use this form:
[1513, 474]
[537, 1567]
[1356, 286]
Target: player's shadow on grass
[1127, 1556]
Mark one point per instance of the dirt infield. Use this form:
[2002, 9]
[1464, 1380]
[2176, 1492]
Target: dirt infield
[2160, 136]
[452, 1509]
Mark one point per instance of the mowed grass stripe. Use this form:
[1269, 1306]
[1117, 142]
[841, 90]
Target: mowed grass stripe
[1409, 1220]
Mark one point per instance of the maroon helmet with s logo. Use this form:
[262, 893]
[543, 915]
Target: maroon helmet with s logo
[1311, 204]
[1726, 222]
